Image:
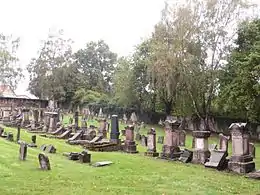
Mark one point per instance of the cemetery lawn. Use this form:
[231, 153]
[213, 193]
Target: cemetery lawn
[130, 173]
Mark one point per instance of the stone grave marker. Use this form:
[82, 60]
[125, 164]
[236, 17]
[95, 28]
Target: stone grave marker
[160, 139]
[144, 140]
[23, 151]
[44, 162]
[217, 160]
[213, 147]
[73, 156]
[101, 164]
[84, 157]
[10, 136]
[43, 147]
[223, 142]
[252, 149]
[254, 175]
[151, 143]
[186, 156]
[18, 133]
[114, 133]
[138, 137]
[50, 149]
[182, 138]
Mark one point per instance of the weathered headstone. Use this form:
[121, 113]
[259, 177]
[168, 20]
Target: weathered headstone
[23, 151]
[254, 175]
[223, 142]
[186, 156]
[84, 157]
[73, 156]
[44, 162]
[76, 117]
[213, 147]
[217, 160]
[34, 139]
[182, 138]
[201, 152]
[10, 136]
[43, 147]
[18, 133]
[241, 161]
[138, 137]
[252, 149]
[101, 164]
[125, 118]
[160, 139]
[151, 143]
[130, 146]
[170, 149]
[133, 118]
[50, 149]
[144, 140]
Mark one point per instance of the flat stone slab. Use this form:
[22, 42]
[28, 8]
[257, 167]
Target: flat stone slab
[186, 156]
[101, 164]
[254, 175]
[217, 160]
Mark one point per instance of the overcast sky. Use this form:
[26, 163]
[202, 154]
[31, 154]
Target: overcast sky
[121, 23]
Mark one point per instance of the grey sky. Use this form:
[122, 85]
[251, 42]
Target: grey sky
[121, 23]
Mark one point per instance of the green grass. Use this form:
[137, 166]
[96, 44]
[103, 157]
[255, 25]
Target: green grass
[130, 173]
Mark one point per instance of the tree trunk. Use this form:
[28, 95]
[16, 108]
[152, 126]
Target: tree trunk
[168, 107]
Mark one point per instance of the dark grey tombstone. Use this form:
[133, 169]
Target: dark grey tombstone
[84, 157]
[1, 131]
[252, 149]
[144, 141]
[160, 139]
[44, 162]
[76, 116]
[186, 156]
[18, 133]
[217, 160]
[43, 147]
[10, 137]
[114, 134]
[138, 137]
[73, 156]
[50, 149]
[34, 139]
[23, 151]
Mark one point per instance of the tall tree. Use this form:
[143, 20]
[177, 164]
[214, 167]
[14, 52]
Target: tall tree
[203, 31]
[239, 80]
[10, 71]
[96, 62]
[47, 70]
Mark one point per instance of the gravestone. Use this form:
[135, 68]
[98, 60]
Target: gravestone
[1, 131]
[133, 118]
[23, 151]
[254, 175]
[213, 147]
[217, 160]
[151, 143]
[201, 152]
[18, 133]
[144, 140]
[10, 136]
[125, 118]
[102, 128]
[252, 149]
[138, 137]
[241, 161]
[223, 142]
[50, 149]
[114, 133]
[170, 149]
[123, 132]
[182, 138]
[44, 162]
[101, 164]
[43, 147]
[160, 139]
[76, 117]
[84, 157]
[186, 156]
[130, 146]
[34, 139]
[73, 156]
